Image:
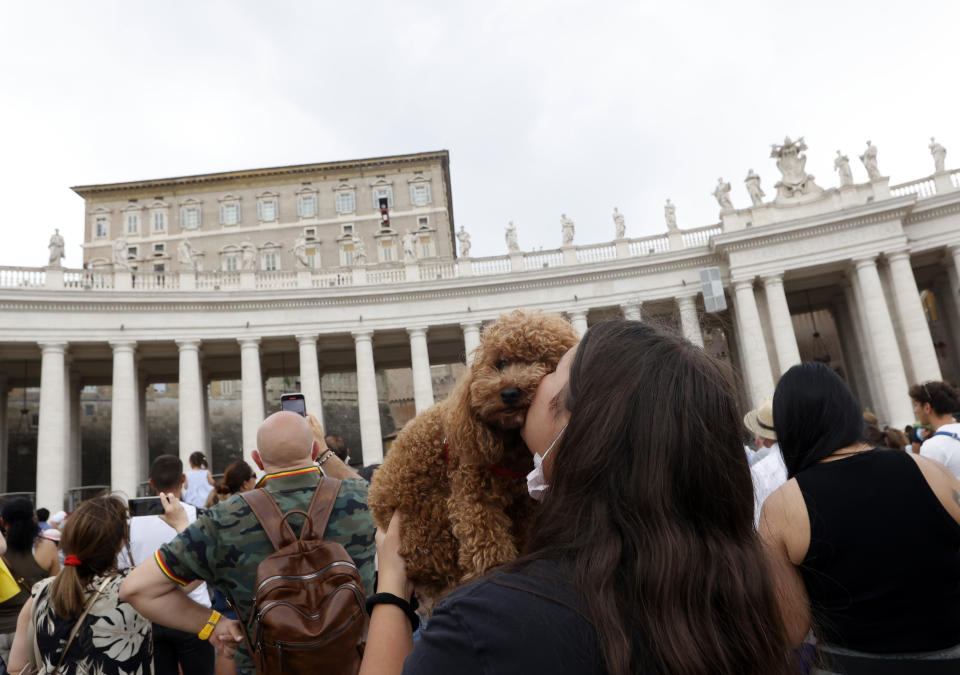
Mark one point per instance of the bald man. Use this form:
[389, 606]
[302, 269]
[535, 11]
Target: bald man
[224, 546]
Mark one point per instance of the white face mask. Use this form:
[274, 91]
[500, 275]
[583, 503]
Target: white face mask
[536, 482]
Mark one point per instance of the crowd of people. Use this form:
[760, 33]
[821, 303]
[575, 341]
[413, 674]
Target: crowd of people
[829, 545]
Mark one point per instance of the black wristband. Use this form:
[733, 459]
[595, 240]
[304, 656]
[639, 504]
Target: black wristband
[391, 599]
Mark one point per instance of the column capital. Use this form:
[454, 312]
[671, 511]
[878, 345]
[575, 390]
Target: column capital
[362, 335]
[418, 331]
[248, 342]
[864, 261]
[739, 284]
[901, 254]
[192, 344]
[53, 346]
[953, 249]
[772, 278]
[306, 338]
[686, 298]
[579, 313]
[123, 345]
[467, 325]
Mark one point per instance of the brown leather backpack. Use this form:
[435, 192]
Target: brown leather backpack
[308, 606]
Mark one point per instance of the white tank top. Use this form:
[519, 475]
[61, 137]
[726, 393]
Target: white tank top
[197, 488]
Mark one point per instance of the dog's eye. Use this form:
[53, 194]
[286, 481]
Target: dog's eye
[501, 364]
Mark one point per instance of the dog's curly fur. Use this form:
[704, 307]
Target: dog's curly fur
[462, 514]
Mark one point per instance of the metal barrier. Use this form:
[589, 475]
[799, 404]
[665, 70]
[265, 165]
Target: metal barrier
[75, 495]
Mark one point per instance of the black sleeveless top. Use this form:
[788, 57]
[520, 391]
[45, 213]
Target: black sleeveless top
[883, 567]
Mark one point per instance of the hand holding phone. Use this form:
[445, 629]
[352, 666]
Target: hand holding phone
[294, 403]
[145, 506]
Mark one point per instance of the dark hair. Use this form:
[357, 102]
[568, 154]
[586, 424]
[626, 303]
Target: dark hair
[651, 506]
[815, 414]
[894, 439]
[94, 533]
[943, 397]
[198, 459]
[234, 477]
[367, 471]
[43, 514]
[22, 528]
[165, 472]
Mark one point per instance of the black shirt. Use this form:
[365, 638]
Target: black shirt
[525, 622]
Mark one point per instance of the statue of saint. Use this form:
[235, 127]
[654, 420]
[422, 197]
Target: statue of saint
[670, 210]
[869, 159]
[409, 247]
[464, 238]
[56, 249]
[187, 255]
[511, 237]
[566, 225]
[842, 166]
[359, 250]
[753, 188]
[795, 181]
[121, 259]
[248, 257]
[722, 193]
[619, 223]
[300, 251]
[939, 155]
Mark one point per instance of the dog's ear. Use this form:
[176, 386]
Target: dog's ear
[469, 440]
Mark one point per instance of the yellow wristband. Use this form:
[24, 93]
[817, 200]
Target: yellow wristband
[211, 624]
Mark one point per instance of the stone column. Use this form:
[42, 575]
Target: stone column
[251, 394]
[632, 311]
[471, 338]
[368, 404]
[922, 364]
[753, 347]
[854, 304]
[784, 338]
[578, 318]
[888, 364]
[71, 461]
[955, 254]
[143, 439]
[207, 426]
[125, 469]
[190, 400]
[690, 319]
[75, 444]
[310, 375]
[4, 431]
[420, 364]
[52, 461]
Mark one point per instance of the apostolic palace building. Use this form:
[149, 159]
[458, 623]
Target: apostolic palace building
[218, 283]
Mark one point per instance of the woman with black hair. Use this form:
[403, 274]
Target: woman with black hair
[29, 557]
[643, 558]
[872, 536]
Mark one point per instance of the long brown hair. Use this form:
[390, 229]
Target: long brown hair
[651, 507]
[234, 477]
[94, 533]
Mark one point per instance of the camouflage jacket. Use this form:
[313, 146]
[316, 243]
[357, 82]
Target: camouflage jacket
[225, 545]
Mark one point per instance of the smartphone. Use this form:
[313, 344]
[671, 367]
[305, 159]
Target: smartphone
[145, 506]
[294, 403]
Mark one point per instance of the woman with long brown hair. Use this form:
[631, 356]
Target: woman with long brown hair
[76, 619]
[643, 558]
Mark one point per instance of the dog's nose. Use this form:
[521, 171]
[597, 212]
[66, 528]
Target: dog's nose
[510, 395]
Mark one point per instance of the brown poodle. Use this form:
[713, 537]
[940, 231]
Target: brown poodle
[457, 472]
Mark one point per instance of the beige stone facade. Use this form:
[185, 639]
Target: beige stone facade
[324, 206]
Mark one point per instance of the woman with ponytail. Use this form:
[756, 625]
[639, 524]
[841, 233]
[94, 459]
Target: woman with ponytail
[238, 477]
[76, 620]
[29, 558]
[199, 483]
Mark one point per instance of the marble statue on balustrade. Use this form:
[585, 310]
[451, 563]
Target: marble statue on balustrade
[670, 210]
[566, 226]
[121, 256]
[300, 251]
[248, 257]
[753, 188]
[56, 247]
[722, 194]
[841, 164]
[939, 155]
[792, 163]
[869, 159]
[619, 223]
[511, 236]
[359, 251]
[189, 258]
[463, 237]
[409, 247]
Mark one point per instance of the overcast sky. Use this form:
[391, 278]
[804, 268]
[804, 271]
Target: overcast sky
[545, 107]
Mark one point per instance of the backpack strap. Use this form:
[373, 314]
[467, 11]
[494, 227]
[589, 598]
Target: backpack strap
[321, 506]
[271, 518]
[952, 435]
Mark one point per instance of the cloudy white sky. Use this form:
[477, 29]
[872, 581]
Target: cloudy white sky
[546, 107]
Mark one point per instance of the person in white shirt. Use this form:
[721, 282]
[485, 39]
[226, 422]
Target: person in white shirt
[198, 482]
[769, 472]
[935, 403]
[174, 651]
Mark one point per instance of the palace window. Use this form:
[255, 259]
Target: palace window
[382, 192]
[346, 228]
[423, 222]
[386, 250]
[346, 254]
[159, 249]
[270, 260]
[132, 252]
[190, 217]
[230, 261]
[101, 227]
[307, 205]
[420, 194]
[159, 268]
[346, 201]
[426, 247]
[159, 221]
[133, 223]
[268, 208]
[229, 212]
[310, 233]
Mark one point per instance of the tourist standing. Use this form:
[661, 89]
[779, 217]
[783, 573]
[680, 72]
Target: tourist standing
[769, 472]
[199, 482]
[934, 404]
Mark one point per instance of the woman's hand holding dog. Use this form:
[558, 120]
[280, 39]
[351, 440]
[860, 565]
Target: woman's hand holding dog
[392, 568]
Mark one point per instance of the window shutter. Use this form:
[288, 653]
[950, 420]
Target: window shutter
[182, 221]
[300, 206]
[223, 215]
[239, 212]
[259, 209]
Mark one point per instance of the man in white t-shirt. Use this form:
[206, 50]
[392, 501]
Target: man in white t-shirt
[934, 403]
[174, 651]
[770, 472]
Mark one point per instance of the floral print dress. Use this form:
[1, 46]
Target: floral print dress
[114, 638]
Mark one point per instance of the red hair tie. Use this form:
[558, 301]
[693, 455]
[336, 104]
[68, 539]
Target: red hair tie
[72, 560]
